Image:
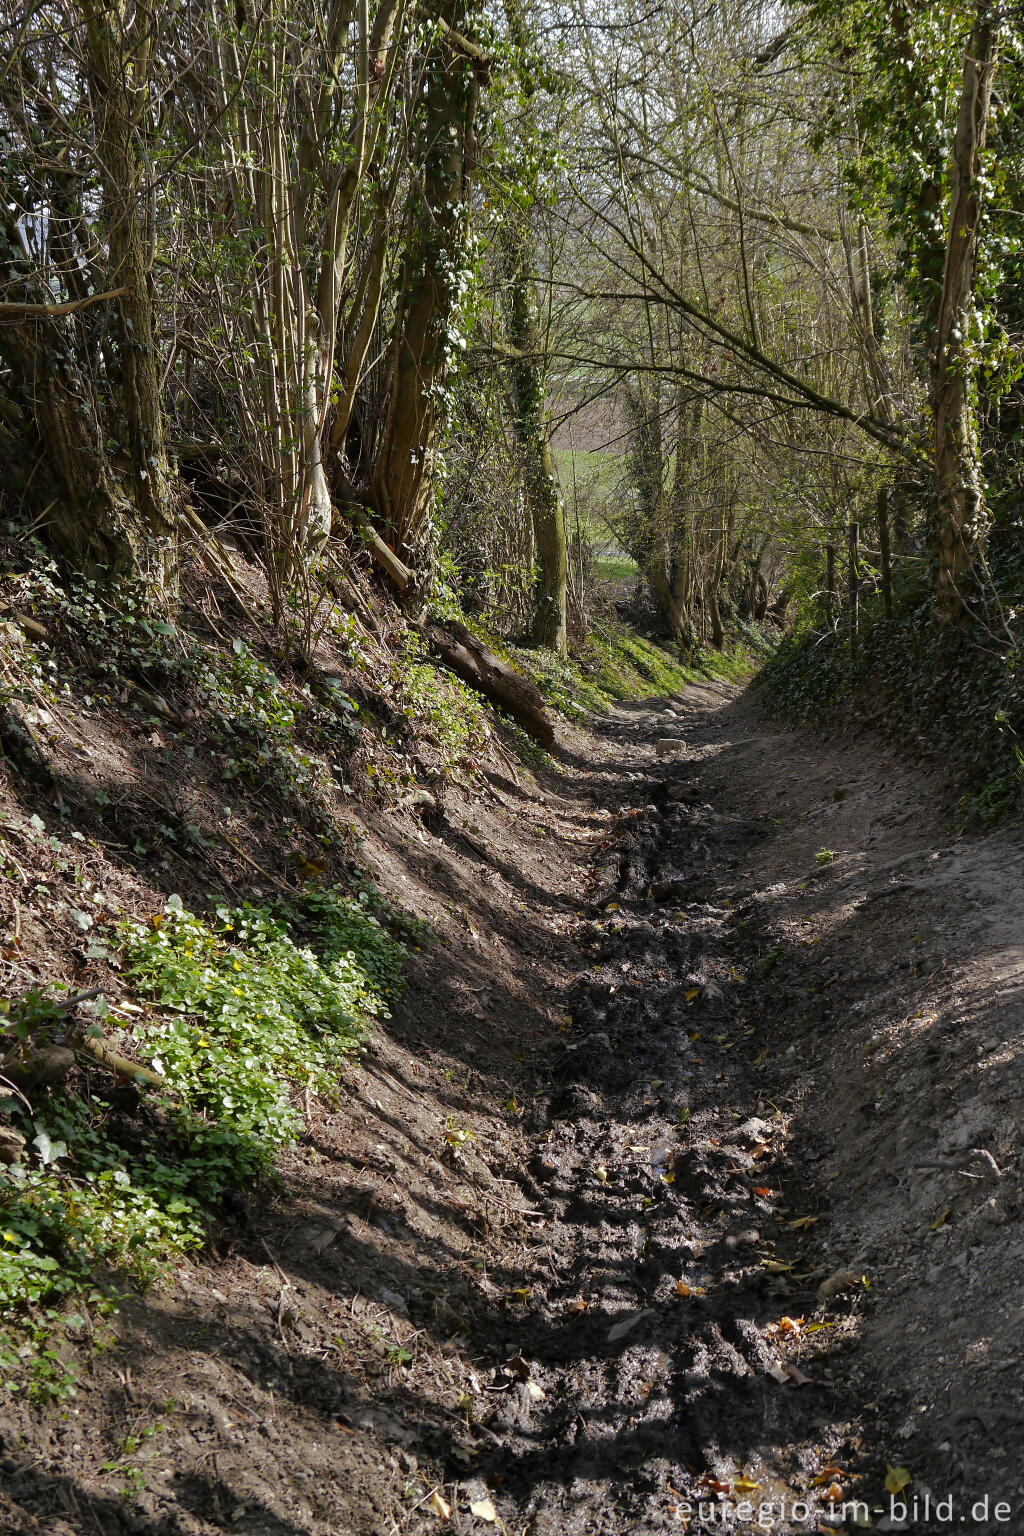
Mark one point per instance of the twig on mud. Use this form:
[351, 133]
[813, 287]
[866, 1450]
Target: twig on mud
[280, 1272]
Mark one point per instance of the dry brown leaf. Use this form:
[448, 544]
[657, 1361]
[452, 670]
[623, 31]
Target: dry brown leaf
[484, 1510]
[439, 1504]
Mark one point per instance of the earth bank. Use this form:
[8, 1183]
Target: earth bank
[687, 1174]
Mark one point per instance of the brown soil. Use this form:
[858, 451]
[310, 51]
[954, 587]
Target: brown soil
[661, 1077]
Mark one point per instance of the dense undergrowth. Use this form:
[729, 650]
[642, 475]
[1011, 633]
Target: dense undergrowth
[956, 693]
[244, 1011]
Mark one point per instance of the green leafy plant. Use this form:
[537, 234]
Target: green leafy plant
[253, 1006]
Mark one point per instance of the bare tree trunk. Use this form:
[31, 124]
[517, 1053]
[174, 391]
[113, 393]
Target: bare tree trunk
[65, 472]
[119, 49]
[714, 613]
[961, 499]
[543, 496]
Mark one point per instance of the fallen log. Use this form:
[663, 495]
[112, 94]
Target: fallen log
[462, 653]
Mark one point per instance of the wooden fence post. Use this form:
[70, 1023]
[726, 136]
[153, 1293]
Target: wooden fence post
[853, 537]
[830, 582]
[884, 550]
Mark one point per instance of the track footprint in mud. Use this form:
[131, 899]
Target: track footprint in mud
[681, 1365]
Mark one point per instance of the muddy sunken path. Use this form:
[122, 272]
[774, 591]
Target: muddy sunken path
[682, 1191]
[777, 1155]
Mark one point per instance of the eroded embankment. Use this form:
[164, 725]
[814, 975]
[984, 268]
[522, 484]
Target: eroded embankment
[702, 1031]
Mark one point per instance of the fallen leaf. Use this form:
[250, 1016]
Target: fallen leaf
[746, 1485]
[439, 1504]
[776, 1267]
[802, 1223]
[693, 994]
[602, 1173]
[309, 869]
[896, 1479]
[817, 1327]
[833, 1493]
[797, 1376]
[619, 1330]
[776, 1373]
[762, 1191]
[941, 1219]
[714, 1484]
[827, 1475]
[537, 1393]
[790, 1324]
[484, 1510]
[682, 1289]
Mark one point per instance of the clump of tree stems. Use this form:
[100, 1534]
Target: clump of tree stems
[350, 275]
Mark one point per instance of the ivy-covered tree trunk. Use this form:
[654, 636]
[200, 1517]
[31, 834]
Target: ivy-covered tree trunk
[543, 496]
[120, 41]
[434, 273]
[961, 517]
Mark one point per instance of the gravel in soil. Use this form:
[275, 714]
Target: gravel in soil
[683, 1191]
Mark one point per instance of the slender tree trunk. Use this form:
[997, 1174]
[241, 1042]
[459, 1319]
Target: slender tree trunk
[717, 629]
[119, 49]
[961, 522]
[543, 496]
